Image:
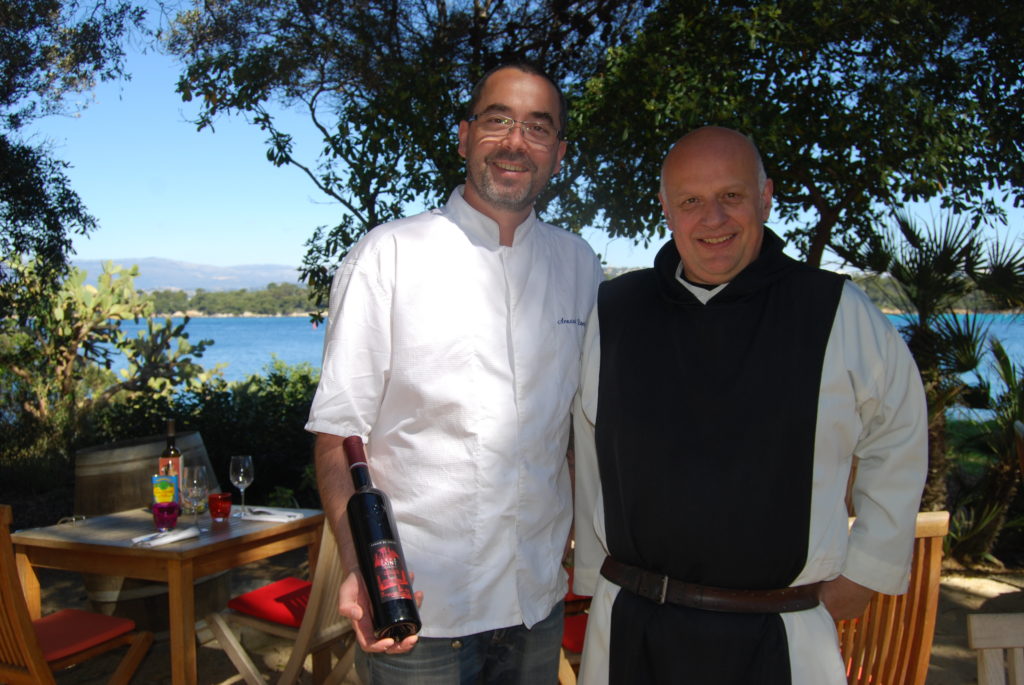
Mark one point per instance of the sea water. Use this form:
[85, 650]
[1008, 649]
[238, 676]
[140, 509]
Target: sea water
[246, 345]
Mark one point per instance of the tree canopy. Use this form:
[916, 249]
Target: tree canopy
[275, 300]
[857, 106]
[383, 83]
[48, 50]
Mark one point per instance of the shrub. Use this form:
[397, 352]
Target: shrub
[263, 415]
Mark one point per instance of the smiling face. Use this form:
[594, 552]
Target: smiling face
[715, 199]
[505, 172]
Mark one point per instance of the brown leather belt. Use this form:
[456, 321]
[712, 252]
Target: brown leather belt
[662, 589]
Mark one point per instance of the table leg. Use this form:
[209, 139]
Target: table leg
[182, 615]
[313, 549]
[29, 585]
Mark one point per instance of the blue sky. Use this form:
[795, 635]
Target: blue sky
[159, 188]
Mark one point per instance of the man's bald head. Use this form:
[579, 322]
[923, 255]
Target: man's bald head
[716, 197]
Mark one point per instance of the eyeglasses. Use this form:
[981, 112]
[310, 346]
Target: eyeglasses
[536, 132]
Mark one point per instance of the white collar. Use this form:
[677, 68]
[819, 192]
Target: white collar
[702, 294]
[478, 225]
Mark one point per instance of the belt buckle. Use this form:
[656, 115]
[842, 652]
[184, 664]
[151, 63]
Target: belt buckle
[664, 589]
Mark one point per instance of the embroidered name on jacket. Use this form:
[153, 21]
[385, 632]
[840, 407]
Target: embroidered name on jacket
[577, 321]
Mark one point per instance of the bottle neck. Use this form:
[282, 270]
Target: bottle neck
[360, 476]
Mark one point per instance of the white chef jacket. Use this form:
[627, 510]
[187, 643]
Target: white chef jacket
[457, 359]
[871, 404]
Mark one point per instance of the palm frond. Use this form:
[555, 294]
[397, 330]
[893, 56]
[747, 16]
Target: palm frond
[1002, 277]
[960, 341]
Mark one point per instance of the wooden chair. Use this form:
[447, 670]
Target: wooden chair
[890, 644]
[566, 673]
[31, 651]
[302, 611]
[999, 639]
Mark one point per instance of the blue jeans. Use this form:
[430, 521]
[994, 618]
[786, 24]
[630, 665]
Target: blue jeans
[506, 656]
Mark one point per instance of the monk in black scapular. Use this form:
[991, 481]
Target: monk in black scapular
[725, 394]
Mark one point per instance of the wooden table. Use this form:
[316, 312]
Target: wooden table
[102, 545]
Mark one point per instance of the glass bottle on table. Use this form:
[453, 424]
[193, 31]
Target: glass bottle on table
[379, 551]
[170, 459]
[241, 475]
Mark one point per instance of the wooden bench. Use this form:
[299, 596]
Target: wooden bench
[999, 639]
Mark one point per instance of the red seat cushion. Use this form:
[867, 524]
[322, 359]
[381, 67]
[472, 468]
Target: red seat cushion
[574, 631]
[283, 601]
[70, 631]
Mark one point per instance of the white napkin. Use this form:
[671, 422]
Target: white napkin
[270, 514]
[166, 537]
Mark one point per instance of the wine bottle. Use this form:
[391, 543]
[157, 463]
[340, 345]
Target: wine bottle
[379, 551]
[170, 461]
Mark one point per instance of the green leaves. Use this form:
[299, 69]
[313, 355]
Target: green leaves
[855, 106]
[383, 83]
[55, 365]
[48, 51]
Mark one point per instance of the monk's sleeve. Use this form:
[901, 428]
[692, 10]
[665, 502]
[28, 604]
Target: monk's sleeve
[892, 447]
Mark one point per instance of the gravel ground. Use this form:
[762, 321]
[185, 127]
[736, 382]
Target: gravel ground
[952, 662]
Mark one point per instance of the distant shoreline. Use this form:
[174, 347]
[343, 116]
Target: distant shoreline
[1002, 312]
[192, 314]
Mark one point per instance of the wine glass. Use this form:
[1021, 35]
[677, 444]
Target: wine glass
[194, 489]
[241, 475]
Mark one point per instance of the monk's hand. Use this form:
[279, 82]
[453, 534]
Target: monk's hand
[844, 598]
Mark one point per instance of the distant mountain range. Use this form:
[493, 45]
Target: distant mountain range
[166, 274]
[156, 273]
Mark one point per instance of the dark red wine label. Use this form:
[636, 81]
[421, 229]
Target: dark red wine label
[389, 572]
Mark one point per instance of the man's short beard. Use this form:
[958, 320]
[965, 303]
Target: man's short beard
[509, 200]
[513, 200]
